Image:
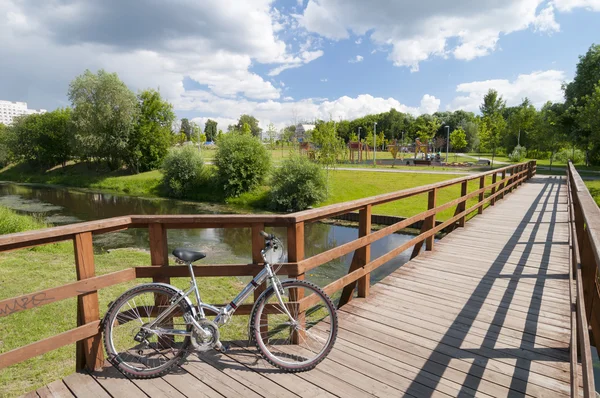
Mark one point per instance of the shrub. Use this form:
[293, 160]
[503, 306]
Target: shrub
[564, 155]
[242, 163]
[518, 154]
[297, 184]
[11, 222]
[182, 170]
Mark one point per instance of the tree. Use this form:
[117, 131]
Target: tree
[458, 140]
[252, 123]
[272, 133]
[426, 127]
[44, 140]
[492, 103]
[491, 129]
[520, 122]
[288, 133]
[150, 142]
[4, 151]
[471, 129]
[329, 146]
[552, 129]
[186, 128]
[246, 129]
[104, 112]
[210, 130]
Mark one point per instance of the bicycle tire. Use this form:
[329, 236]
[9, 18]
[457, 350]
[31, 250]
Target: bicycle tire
[116, 359]
[256, 334]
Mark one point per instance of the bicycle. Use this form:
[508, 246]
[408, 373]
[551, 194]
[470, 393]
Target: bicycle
[153, 327]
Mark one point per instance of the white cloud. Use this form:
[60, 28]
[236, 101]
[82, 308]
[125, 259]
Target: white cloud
[539, 87]
[569, 5]
[355, 60]
[211, 42]
[358, 41]
[412, 32]
[324, 80]
[546, 22]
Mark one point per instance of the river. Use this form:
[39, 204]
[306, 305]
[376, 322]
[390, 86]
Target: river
[60, 206]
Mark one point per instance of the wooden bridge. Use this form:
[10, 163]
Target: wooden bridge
[502, 305]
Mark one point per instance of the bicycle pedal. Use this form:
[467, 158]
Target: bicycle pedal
[224, 348]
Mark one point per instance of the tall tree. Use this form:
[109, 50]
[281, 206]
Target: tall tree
[552, 128]
[492, 103]
[150, 142]
[104, 112]
[491, 129]
[426, 127]
[210, 130]
[186, 128]
[520, 122]
[252, 122]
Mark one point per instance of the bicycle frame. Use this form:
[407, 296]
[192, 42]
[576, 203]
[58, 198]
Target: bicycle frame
[223, 313]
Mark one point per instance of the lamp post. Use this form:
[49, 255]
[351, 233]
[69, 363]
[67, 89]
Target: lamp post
[359, 134]
[374, 143]
[447, 141]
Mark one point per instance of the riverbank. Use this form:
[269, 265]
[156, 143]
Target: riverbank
[30, 270]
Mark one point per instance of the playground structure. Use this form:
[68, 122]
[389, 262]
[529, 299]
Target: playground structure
[357, 149]
[421, 147]
[307, 149]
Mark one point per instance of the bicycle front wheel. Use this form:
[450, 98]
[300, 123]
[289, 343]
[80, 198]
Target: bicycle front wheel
[136, 349]
[298, 335]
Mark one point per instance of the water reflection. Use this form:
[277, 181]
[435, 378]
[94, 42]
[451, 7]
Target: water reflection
[224, 246]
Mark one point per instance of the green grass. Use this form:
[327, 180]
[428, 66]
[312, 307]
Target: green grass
[349, 185]
[594, 188]
[29, 270]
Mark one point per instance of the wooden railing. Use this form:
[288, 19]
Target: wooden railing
[584, 217]
[87, 334]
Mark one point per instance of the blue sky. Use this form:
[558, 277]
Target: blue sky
[289, 60]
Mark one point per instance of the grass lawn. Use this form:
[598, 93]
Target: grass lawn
[349, 185]
[29, 270]
[594, 188]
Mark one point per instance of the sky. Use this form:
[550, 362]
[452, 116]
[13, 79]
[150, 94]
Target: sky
[287, 61]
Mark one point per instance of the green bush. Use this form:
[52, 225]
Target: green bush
[518, 154]
[182, 170]
[242, 163]
[297, 184]
[564, 155]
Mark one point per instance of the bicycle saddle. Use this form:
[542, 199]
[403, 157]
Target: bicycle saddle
[188, 255]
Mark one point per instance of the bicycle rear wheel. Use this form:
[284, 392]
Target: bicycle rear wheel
[299, 341]
[137, 351]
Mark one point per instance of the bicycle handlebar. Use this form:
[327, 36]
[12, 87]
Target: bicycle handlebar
[266, 235]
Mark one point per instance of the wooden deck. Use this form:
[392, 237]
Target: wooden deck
[487, 313]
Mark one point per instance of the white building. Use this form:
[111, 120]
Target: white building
[10, 109]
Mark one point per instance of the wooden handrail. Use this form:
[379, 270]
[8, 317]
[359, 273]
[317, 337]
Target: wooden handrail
[584, 217]
[89, 352]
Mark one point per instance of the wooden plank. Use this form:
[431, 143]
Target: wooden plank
[443, 361]
[464, 189]
[157, 387]
[47, 296]
[51, 343]
[57, 234]
[218, 380]
[159, 252]
[84, 385]
[188, 385]
[482, 194]
[494, 176]
[226, 219]
[89, 352]
[253, 360]
[208, 270]
[258, 243]
[56, 389]
[296, 246]
[116, 384]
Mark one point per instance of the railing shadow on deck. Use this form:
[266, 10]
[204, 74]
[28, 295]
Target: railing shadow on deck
[461, 327]
[89, 353]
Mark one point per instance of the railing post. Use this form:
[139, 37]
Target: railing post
[295, 239]
[481, 194]
[463, 205]
[431, 219]
[258, 244]
[364, 253]
[493, 201]
[159, 252]
[89, 351]
[502, 177]
[360, 259]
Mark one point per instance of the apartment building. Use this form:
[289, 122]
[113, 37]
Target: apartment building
[11, 109]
